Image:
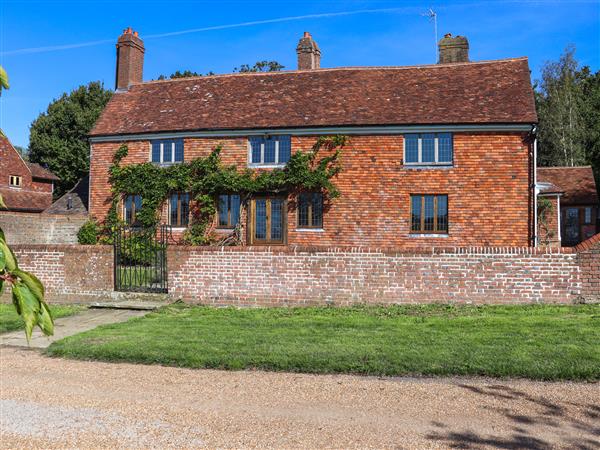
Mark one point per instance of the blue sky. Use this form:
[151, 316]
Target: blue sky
[396, 35]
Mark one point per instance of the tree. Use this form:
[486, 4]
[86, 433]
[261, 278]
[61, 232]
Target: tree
[260, 66]
[559, 103]
[184, 74]
[22, 151]
[3, 80]
[58, 138]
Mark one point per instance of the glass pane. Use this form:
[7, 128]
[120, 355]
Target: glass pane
[411, 144]
[235, 209]
[428, 213]
[167, 151]
[303, 210]
[128, 209]
[156, 151]
[269, 151]
[137, 200]
[445, 147]
[255, 146]
[285, 149]
[317, 210]
[260, 223]
[588, 215]
[442, 213]
[185, 210]
[276, 219]
[173, 209]
[416, 213]
[179, 150]
[223, 210]
[428, 148]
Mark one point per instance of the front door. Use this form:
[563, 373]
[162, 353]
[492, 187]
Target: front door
[571, 236]
[268, 220]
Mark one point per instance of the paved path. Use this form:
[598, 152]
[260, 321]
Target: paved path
[51, 403]
[68, 326]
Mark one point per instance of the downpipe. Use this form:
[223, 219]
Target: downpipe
[535, 187]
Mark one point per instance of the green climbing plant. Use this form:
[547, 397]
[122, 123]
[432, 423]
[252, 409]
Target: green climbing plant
[27, 291]
[205, 178]
[545, 209]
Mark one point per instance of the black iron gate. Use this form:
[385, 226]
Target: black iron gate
[141, 259]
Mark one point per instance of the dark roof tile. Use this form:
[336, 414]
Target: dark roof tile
[577, 183]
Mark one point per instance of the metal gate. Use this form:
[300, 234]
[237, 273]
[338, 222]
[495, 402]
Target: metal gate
[141, 259]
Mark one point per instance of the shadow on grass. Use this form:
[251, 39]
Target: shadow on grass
[550, 419]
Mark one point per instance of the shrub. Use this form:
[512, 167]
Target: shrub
[88, 233]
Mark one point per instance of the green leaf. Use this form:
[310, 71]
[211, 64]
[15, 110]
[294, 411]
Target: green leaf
[2, 204]
[29, 305]
[9, 256]
[1, 286]
[45, 321]
[33, 283]
[2, 260]
[2, 237]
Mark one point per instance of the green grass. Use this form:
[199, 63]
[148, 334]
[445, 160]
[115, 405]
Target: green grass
[10, 320]
[538, 342]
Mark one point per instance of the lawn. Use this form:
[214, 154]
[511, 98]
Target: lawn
[10, 321]
[538, 342]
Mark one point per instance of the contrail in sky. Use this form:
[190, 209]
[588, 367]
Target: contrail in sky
[53, 48]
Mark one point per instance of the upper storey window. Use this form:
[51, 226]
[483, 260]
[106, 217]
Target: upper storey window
[168, 151]
[15, 181]
[428, 149]
[269, 150]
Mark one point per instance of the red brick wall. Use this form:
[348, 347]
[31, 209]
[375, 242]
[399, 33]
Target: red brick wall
[70, 273]
[488, 189]
[250, 276]
[589, 262]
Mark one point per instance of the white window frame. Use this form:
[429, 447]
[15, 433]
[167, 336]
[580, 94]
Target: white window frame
[261, 164]
[420, 163]
[162, 161]
[17, 178]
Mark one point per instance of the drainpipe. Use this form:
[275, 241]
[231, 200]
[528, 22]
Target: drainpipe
[558, 221]
[535, 187]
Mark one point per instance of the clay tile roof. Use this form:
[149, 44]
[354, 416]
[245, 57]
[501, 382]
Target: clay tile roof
[577, 183]
[461, 93]
[38, 171]
[21, 200]
[73, 202]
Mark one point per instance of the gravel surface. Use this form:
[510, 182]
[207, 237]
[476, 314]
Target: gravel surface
[56, 403]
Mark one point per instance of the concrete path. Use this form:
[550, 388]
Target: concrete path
[55, 403]
[68, 326]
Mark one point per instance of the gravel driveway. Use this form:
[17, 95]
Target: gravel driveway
[49, 403]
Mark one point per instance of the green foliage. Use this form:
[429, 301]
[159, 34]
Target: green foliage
[3, 79]
[88, 233]
[182, 74]
[568, 105]
[205, 178]
[27, 290]
[58, 138]
[545, 210]
[260, 66]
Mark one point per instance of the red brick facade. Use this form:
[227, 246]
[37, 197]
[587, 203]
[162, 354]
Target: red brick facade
[488, 189]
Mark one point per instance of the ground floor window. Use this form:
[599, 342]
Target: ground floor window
[228, 210]
[310, 210]
[268, 220]
[132, 204]
[179, 209]
[429, 213]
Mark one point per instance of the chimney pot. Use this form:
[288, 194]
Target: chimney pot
[309, 54]
[130, 59]
[453, 49]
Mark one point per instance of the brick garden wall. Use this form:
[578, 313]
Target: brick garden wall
[268, 277]
[70, 273]
[589, 261]
[31, 228]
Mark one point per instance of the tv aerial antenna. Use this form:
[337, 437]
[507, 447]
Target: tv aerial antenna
[432, 16]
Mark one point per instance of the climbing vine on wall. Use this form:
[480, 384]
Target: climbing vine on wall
[205, 178]
[545, 209]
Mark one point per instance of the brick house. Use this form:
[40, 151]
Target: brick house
[439, 154]
[24, 186]
[574, 211]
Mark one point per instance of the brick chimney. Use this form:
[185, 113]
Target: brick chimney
[309, 55]
[453, 49]
[130, 59]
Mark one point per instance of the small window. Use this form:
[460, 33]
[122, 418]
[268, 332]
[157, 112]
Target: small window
[15, 181]
[310, 210]
[132, 204]
[229, 211]
[429, 213]
[179, 210]
[428, 149]
[270, 150]
[167, 151]
[588, 215]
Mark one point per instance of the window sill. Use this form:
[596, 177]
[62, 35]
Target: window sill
[166, 164]
[174, 228]
[427, 166]
[427, 235]
[266, 166]
[310, 230]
